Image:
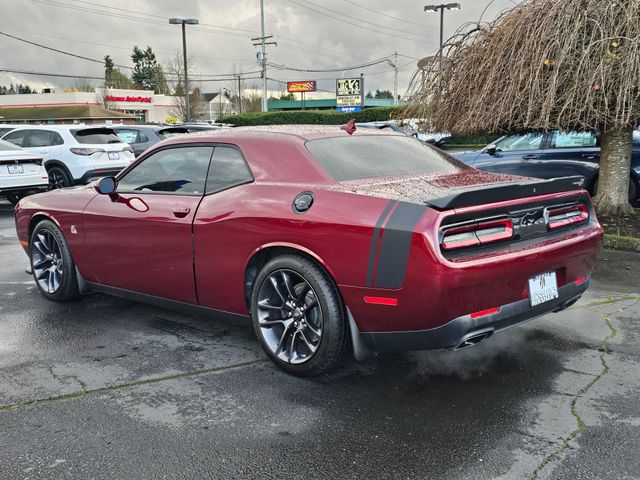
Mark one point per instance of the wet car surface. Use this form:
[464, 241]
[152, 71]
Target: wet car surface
[108, 388]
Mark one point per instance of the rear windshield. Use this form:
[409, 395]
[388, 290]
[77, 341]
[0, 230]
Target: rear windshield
[171, 132]
[93, 136]
[351, 158]
[8, 146]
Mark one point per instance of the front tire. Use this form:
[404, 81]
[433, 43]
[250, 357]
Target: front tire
[298, 316]
[51, 263]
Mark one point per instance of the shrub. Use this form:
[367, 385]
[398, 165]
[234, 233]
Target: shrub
[308, 117]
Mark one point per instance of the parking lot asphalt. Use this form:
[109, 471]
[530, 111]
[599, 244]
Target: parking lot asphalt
[106, 388]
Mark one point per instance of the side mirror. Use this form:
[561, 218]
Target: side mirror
[106, 186]
[491, 150]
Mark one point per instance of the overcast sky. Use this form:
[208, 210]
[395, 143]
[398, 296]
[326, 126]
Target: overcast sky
[316, 34]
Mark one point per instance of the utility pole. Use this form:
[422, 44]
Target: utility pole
[184, 22]
[362, 91]
[394, 64]
[262, 56]
[239, 94]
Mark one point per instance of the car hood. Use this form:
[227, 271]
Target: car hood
[469, 157]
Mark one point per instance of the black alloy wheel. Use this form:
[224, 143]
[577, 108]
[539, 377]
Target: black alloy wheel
[298, 316]
[58, 178]
[51, 263]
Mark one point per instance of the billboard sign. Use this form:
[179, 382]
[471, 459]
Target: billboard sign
[301, 87]
[348, 92]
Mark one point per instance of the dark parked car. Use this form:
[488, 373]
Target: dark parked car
[550, 155]
[141, 137]
[312, 235]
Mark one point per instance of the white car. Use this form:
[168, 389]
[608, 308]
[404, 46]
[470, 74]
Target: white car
[21, 173]
[74, 154]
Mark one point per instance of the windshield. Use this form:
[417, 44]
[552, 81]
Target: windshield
[351, 158]
[530, 141]
[96, 136]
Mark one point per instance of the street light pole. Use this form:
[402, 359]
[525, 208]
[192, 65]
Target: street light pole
[184, 22]
[442, 7]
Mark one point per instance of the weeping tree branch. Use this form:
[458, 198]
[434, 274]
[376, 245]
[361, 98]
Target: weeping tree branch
[545, 64]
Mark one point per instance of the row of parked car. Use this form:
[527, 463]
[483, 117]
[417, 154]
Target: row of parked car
[35, 158]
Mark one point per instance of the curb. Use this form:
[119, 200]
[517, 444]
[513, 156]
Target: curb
[619, 242]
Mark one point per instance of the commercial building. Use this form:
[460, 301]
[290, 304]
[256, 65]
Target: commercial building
[111, 105]
[323, 104]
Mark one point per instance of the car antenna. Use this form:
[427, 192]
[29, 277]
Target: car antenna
[349, 127]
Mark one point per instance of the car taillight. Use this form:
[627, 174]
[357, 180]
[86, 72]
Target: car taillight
[37, 161]
[477, 234]
[86, 151]
[563, 216]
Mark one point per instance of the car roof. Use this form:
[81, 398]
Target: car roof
[285, 132]
[60, 128]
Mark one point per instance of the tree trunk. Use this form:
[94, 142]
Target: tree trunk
[612, 198]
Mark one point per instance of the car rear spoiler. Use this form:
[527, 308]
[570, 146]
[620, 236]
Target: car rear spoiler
[511, 191]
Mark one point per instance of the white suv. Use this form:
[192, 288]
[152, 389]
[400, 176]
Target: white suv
[73, 153]
[21, 173]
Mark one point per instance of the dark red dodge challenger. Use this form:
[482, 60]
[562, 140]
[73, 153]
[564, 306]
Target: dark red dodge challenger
[326, 239]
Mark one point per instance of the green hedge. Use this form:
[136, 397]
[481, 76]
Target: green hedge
[308, 117]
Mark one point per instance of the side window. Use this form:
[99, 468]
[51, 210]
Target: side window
[573, 140]
[530, 141]
[179, 171]
[142, 137]
[56, 139]
[128, 136]
[40, 138]
[17, 138]
[228, 169]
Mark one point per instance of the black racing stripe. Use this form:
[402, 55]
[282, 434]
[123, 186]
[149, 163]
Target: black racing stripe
[374, 241]
[396, 244]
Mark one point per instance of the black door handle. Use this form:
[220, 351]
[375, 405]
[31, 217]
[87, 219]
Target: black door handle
[530, 157]
[181, 212]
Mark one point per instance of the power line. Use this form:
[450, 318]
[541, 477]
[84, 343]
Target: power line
[230, 78]
[327, 70]
[82, 57]
[355, 24]
[360, 20]
[94, 60]
[385, 14]
[297, 45]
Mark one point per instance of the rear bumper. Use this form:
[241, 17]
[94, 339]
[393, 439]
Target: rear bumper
[462, 329]
[98, 173]
[26, 189]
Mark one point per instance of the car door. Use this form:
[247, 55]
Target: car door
[46, 143]
[219, 233]
[513, 154]
[140, 238]
[571, 153]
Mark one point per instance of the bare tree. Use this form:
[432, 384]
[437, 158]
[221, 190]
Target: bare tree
[545, 64]
[83, 85]
[197, 105]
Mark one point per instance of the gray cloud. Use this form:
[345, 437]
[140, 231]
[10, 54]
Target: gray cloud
[306, 39]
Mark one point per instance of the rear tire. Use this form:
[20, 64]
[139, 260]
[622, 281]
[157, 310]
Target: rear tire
[14, 198]
[298, 316]
[58, 177]
[51, 263]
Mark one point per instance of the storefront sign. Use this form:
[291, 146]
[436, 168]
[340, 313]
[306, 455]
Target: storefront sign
[129, 99]
[348, 92]
[301, 87]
